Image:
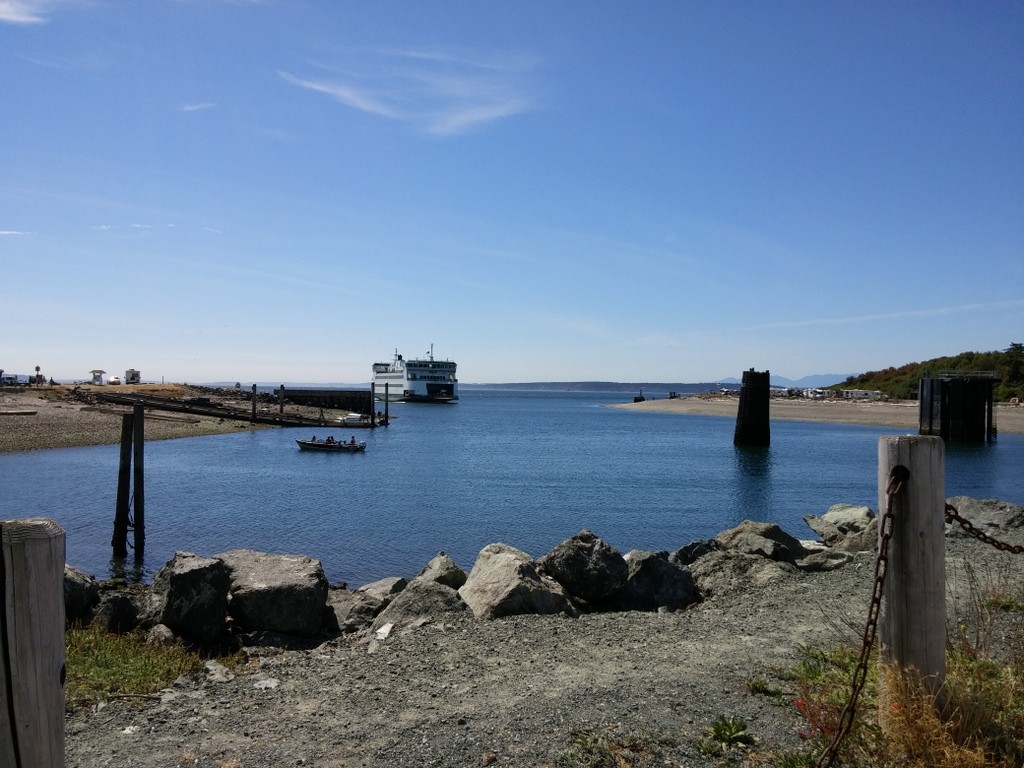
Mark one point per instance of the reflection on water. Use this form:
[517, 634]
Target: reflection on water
[752, 480]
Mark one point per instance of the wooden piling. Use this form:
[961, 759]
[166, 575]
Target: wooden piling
[912, 625]
[253, 403]
[119, 541]
[139, 442]
[752, 422]
[31, 644]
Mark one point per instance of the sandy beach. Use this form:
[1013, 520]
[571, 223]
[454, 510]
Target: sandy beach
[897, 414]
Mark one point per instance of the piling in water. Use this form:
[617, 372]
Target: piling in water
[752, 427]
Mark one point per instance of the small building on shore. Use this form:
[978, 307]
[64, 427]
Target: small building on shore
[97, 376]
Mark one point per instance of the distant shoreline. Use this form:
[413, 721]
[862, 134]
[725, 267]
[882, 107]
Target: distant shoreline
[899, 414]
[61, 422]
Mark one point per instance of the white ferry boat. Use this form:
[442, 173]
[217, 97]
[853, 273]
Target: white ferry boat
[424, 380]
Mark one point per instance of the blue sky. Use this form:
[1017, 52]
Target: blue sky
[289, 190]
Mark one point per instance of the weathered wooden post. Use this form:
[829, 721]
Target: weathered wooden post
[31, 643]
[912, 625]
[387, 400]
[140, 480]
[752, 423]
[119, 541]
[254, 403]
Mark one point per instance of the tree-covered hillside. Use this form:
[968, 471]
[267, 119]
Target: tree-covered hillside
[902, 382]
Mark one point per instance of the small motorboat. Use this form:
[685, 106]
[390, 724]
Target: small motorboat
[329, 446]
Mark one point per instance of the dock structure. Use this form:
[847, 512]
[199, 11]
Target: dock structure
[352, 400]
[203, 406]
[958, 406]
[752, 424]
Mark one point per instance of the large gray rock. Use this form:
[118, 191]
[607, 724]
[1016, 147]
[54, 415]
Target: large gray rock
[190, 595]
[443, 570]
[504, 582]
[117, 612]
[352, 610]
[764, 539]
[284, 594]
[693, 551]
[421, 602]
[655, 582]
[589, 569]
[727, 572]
[846, 527]
[990, 515]
[384, 589]
[81, 595]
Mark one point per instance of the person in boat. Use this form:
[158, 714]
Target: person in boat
[312, 439]
[330, 440]
[352, 441]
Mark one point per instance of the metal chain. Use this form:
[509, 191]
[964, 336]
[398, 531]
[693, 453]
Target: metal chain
[952, 515]
[897, 476]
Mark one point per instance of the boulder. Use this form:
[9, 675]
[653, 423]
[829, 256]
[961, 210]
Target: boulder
[384, 589]
[990, 515]
[589, 569]
[728, 571]
[351, 610]
[655, 581]
[504, 582]
[161, 635]
[284, 594]
[81, 595]
[695, 549]
[846, 527]
[419, 603]
[443, 570]
[823, 560]
[117, 612]
[189, 594]
[764, 539]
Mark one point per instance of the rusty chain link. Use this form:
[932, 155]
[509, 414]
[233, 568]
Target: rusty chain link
[897, 476]
[953, 516]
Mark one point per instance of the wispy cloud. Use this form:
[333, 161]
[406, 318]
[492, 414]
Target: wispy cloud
[929, 312]
[24, 11]
[197, 107]
[12, 233]
[437, 93]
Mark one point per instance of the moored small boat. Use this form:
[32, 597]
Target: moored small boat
[331, 446]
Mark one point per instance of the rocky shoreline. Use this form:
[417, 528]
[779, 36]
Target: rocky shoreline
[429, 682]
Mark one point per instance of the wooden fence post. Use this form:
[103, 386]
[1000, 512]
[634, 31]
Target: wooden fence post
[912, 626]
[31, 644]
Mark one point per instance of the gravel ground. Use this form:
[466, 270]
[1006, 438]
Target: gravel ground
[461, 692]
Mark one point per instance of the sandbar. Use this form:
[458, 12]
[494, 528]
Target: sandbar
[899, 414]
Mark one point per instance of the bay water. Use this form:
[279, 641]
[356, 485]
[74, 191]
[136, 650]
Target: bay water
[527, 468]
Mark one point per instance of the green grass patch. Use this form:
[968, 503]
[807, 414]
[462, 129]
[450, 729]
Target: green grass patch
[103, 664]
[642, 749]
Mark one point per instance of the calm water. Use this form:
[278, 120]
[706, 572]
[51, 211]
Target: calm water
[526, 468]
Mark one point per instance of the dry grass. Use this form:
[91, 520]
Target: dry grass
[974, 720]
